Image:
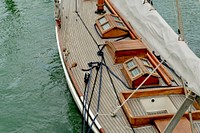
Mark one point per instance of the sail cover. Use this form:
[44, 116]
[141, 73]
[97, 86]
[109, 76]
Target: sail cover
[159, 35]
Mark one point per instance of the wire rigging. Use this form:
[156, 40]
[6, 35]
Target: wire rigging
[99, 67]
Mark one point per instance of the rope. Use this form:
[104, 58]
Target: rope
[107, 68]
[100, 87]
[180, 22]
[87, 80]
[101, 64]
[118, 77]
[95, 80]
[117, 109]
[76, 6]
[92, 123]
[99, 96]
[111, 80]
[95, 27]
[87, 28]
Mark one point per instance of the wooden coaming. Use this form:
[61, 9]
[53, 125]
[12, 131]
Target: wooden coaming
[82, 51]
[148, 119]
[136, 80]
[161, 70]
[161, 66]
[116, 12]
[165, 75]
[114, 33]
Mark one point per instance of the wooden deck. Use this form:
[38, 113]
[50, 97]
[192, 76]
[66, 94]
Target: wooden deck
[182, 127]
[82, 50]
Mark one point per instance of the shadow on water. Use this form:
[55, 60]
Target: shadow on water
[58, 80]
[11, 7]
[55, 70]
[10, 26]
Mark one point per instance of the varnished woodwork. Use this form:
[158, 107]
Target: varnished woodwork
[151, 81]
[100, 5]
[102, 130]
[161, 67]
[114, 30]
[69, 70]
[116, 12]
[154, 92]
[73, 80]
[183, 125]
[126, 108]
[136, 80]
[129, 81]
[123, 50]
[160, 70]
[148, 119]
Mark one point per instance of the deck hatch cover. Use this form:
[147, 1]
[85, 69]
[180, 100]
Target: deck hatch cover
[159, 104]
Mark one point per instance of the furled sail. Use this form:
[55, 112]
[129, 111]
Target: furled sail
[163, 39]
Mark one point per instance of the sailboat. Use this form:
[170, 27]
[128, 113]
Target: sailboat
[127, 70]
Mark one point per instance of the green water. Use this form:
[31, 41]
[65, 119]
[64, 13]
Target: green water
[33, 92]
[191, 19]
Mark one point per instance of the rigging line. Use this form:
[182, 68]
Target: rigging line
[93, 122]
[86, 96]
[91, 68]
[100, 86]
[99, 95]
[87, 80]
[95, 27]
[175, 13]
[87, 29]
[117, 109]
[165, 64]
[76, 6]
[180, 22]
[118, 77]
[90, 100]
[111, 80]
[83, 123]
[100, 53]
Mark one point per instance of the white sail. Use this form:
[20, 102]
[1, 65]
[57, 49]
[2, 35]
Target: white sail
[163, 39]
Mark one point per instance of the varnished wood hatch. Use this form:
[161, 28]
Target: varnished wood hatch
[137, 69]
[122, 50]
[111, 26]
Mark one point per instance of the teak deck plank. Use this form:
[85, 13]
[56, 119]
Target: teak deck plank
[83, 50]
[183, 125]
